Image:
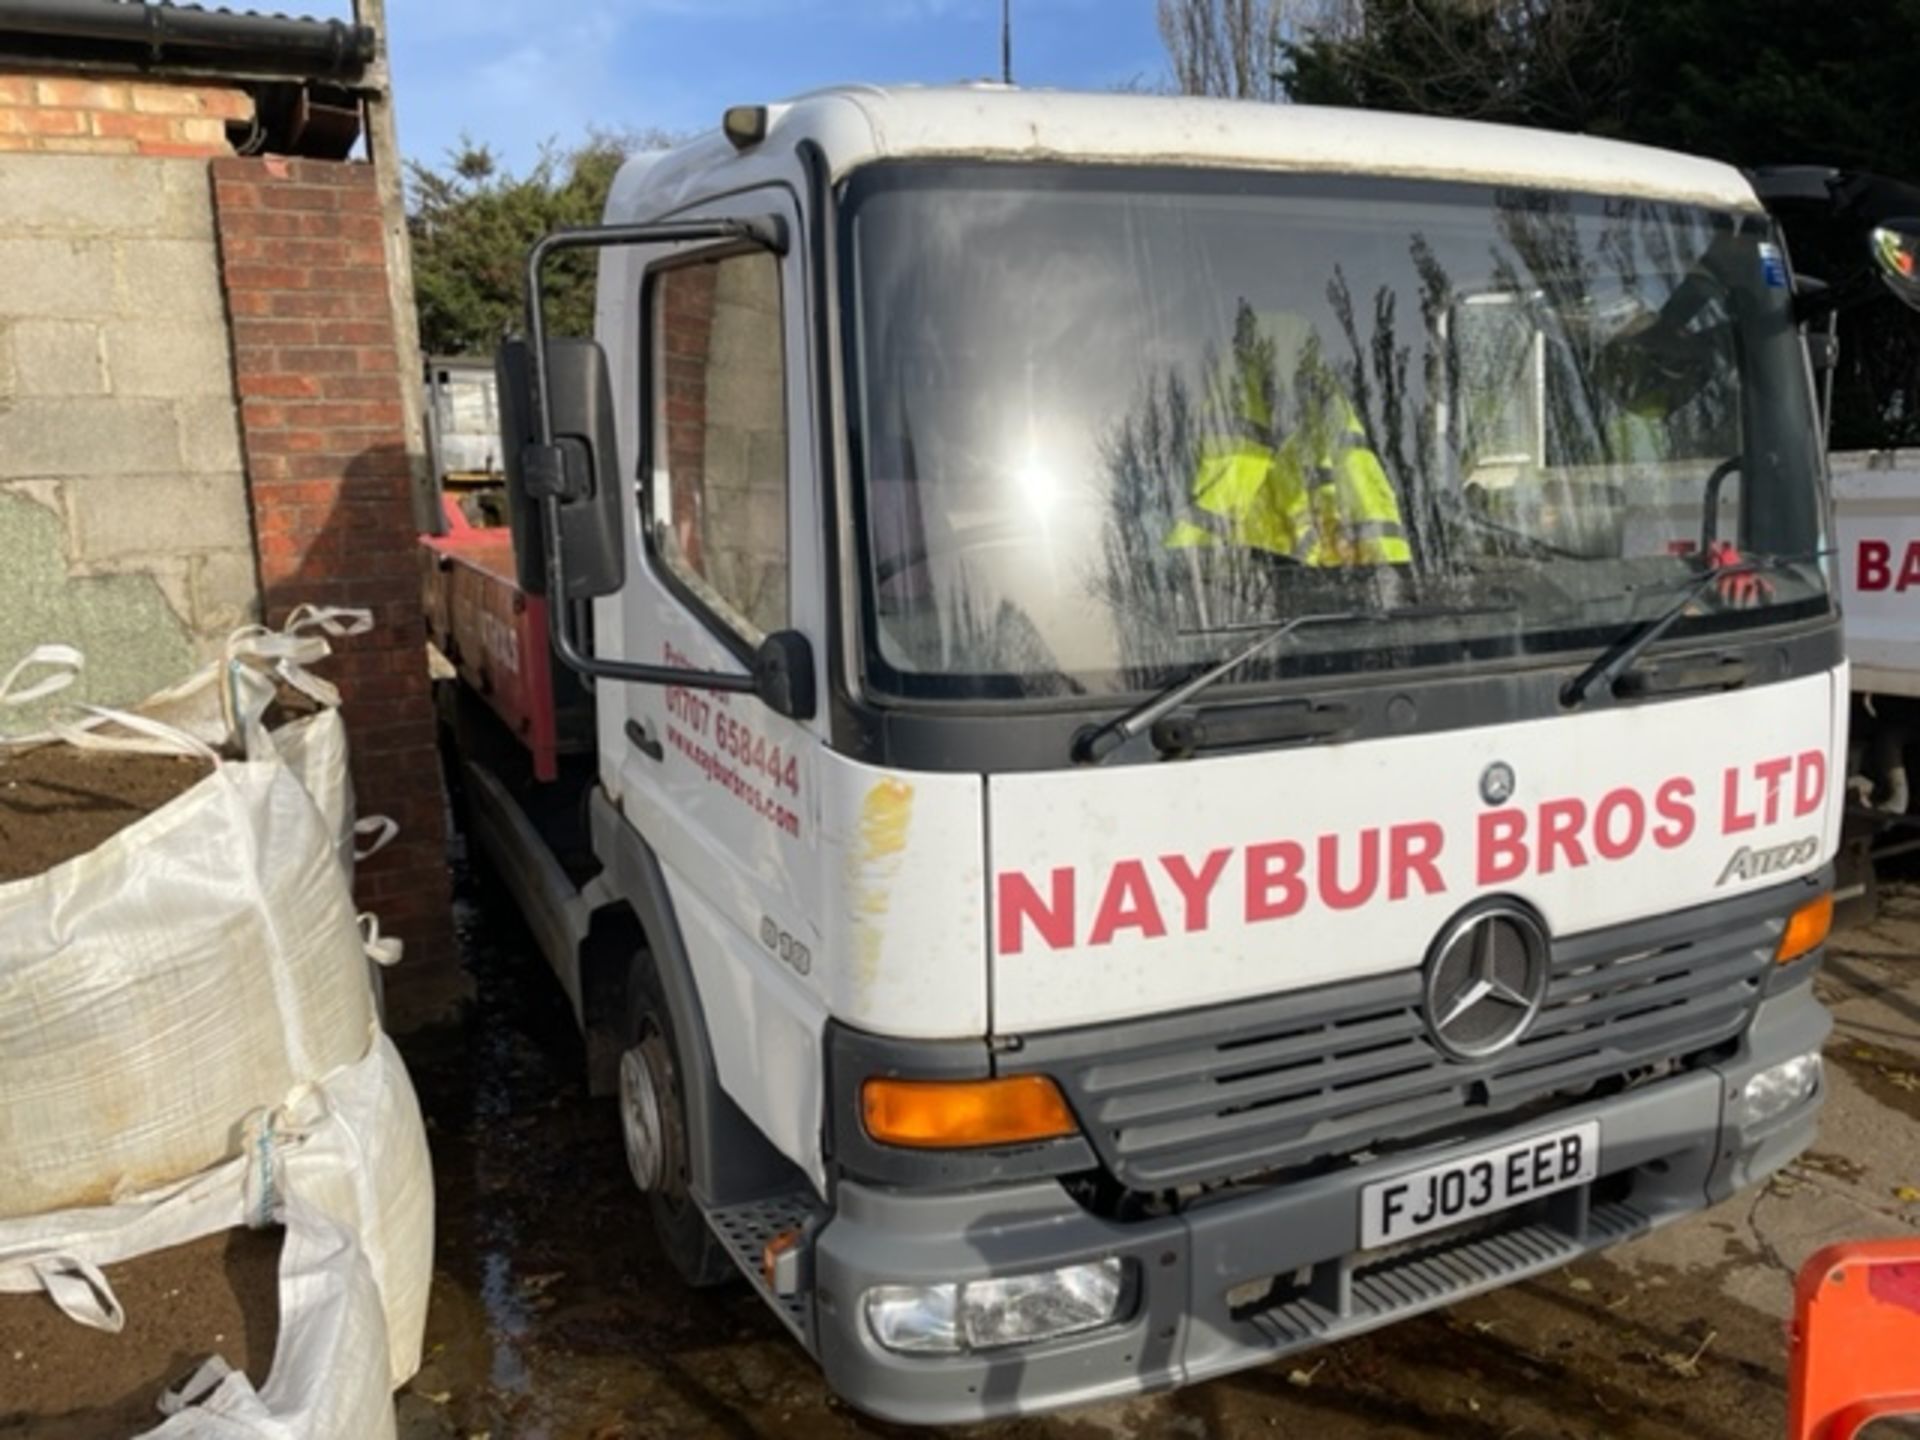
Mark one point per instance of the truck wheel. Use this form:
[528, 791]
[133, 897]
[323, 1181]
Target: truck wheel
[653, 1124]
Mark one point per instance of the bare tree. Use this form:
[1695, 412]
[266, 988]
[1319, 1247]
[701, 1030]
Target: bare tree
[1224, 47]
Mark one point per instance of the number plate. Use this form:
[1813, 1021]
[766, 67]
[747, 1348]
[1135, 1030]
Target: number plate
[1443, 1195]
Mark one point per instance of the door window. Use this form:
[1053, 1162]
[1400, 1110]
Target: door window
[719, 512]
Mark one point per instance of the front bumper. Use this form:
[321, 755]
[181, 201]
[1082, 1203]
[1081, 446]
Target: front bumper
[1667, 1150]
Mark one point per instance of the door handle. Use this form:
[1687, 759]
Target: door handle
[643, 742]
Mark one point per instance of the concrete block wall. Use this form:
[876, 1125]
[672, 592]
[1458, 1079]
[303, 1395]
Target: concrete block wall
[304, 266]
[124, 526]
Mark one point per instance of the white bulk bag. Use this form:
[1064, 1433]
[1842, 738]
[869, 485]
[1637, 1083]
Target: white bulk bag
[350, 1153]
[328, 1380]
[361, 1157]
[314, 748]
[222, 705]
[63, 664]
[328, 1377]
[192, 968]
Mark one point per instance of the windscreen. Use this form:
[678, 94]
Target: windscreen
[1109, 422]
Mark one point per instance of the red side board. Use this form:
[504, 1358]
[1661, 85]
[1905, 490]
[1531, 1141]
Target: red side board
[494, 635]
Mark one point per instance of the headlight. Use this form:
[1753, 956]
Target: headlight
[915, 1319]
[1778, 1088]
[947, 1319]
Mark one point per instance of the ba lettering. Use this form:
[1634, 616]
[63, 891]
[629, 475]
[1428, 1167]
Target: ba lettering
[1874, 568]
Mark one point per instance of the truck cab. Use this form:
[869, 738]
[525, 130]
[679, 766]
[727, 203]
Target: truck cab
[1210, 724]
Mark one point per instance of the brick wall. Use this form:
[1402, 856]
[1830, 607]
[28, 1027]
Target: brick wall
[725, 423]
[74, 115]
[326, 466]
[686, 346]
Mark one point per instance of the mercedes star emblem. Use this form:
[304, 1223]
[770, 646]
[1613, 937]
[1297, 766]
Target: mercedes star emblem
[1496, 783]
[1486, 979]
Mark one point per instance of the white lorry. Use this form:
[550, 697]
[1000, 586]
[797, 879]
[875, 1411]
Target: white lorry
[1159, 790]
[1876, 497]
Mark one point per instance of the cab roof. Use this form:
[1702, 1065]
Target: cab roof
[854, 125]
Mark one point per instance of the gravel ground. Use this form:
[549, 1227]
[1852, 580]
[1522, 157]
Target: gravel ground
[556, 1318]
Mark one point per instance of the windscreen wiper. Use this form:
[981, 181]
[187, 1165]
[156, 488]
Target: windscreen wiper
[1093, 746]
[1618, 658]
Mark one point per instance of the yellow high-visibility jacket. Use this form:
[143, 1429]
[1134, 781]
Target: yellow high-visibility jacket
[1320, 497]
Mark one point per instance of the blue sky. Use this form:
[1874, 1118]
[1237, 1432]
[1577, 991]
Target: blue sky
[512, 73]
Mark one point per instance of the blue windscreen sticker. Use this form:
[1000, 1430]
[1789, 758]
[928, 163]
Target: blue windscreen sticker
[1773, 266]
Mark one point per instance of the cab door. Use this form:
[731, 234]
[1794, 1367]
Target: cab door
[712, 343]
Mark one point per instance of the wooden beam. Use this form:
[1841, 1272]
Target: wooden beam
[383, 148]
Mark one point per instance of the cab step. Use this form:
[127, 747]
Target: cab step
[746, 1230]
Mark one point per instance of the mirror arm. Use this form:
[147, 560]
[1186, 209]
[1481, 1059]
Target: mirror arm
[569, 653]
[770, 234]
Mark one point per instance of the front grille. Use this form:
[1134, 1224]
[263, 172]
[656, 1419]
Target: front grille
[1237, 1090]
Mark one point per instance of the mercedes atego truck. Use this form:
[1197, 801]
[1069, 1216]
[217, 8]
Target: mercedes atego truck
[1149, 732]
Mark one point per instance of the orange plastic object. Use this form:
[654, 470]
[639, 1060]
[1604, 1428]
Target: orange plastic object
[1856, 1339]
[1807, 928]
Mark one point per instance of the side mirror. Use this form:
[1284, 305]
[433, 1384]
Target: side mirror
[1896, 254]
[783, 674]
[579, 469]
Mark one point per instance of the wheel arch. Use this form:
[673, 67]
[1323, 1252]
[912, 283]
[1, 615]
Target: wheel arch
[729, 1160]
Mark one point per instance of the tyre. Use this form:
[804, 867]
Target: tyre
[653, 1126]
